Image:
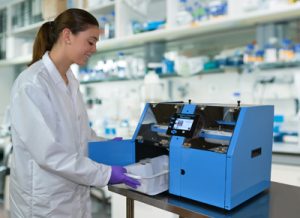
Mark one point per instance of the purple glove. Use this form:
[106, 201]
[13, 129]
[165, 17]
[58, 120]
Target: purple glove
[117, 139]
[118, 176]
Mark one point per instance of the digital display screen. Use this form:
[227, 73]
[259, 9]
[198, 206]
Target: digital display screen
[183, 124]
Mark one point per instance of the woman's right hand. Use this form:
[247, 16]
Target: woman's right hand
[118, 176]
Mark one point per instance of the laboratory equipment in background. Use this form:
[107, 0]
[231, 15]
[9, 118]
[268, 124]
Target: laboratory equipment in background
[107, 22]
[218, 154]
[5, 151]
[194, 11]
[152, 90]
[281, 90]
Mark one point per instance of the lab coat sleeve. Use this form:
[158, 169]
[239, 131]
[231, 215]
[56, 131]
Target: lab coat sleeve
[30, 122]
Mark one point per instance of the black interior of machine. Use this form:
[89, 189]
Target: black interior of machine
[145, 134]
[150, 143]
[208, 119]
[148, 150]
[213, 118]
[163, 111]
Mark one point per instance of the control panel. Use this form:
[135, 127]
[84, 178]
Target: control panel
[182, 125]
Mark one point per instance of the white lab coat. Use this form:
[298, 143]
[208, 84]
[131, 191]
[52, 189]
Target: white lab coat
[50, 173]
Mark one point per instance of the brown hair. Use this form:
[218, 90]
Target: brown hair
[77, 20]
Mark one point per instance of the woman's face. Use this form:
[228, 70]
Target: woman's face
[83, 45]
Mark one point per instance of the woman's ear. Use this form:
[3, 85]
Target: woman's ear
[67, 36]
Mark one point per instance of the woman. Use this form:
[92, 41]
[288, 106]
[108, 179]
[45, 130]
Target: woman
[50, 173]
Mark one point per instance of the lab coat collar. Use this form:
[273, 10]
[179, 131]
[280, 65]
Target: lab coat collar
[51, 68]
[54, 73]
[73, 83]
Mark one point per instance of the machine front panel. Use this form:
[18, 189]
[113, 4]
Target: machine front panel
[202, 176]
[111, 152]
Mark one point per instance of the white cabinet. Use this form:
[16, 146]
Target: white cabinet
[287, 174]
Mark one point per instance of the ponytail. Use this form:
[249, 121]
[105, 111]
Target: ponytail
[44, 41]
[76, 20]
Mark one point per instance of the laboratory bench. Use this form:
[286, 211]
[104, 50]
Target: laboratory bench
[279, 201]
[286, 158]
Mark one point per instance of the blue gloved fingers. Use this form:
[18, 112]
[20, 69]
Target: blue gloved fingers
[133, 183]
[117, 139]
[117, 174]
[124, 170]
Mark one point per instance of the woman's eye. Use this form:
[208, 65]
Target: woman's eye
[91, 43]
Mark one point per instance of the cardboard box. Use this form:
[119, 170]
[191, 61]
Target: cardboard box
[78, 4]
[52, 8]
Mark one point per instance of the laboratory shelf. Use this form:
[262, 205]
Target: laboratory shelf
[32, 28]
[107, 80]
[103, 8]
[125, 79]
[251, 19]
[162, 76]
[27, 30]
[212, 26]
[15, 61]
[279, 65]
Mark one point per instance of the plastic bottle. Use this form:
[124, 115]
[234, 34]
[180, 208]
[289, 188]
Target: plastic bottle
[271, 51]
[200, 12]
[109, 128]
[217, 8]
[153, 87]
[183, 17]
[99, 69]
[297, 52]
[110, 68]
[249, 55]
[259, 56]
[104, 24]
[122, 65]
[111, 21]
[286, 52]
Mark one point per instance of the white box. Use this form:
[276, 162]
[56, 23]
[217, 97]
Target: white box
[153, 174]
